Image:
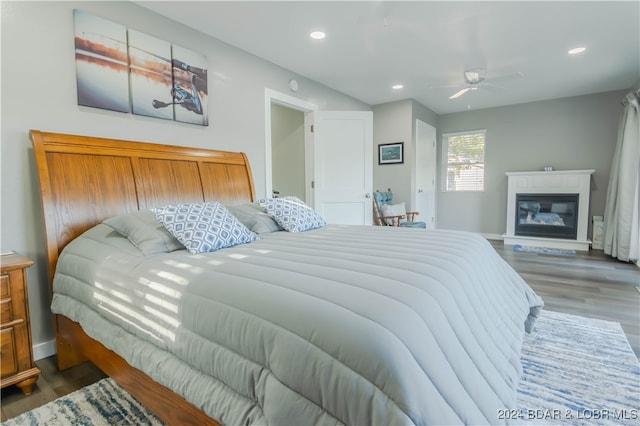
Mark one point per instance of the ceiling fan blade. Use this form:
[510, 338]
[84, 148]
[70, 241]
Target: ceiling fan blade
[447, 86]
[506, 77]
[460, 93]
[493, 88]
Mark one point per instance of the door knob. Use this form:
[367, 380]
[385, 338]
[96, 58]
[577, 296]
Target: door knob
[367, 195]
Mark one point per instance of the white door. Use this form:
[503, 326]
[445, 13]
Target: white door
[425, 193]
[343, 166]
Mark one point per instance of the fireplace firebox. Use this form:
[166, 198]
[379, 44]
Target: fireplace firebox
[547, 215]
[543, 230]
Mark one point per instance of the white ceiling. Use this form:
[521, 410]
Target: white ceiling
[424, 45]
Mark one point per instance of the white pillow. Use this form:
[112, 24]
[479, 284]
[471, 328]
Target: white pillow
[292, 214]
[393, 210]
[204, 227]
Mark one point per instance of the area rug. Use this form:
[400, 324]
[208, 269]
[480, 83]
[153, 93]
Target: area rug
[544, 250]
[577, 371]
[100, 404]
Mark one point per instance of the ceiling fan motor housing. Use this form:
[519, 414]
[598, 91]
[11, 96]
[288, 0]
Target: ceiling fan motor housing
[475, 76]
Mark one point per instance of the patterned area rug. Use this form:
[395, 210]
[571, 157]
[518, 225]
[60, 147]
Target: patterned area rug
[544, 250]
[100, 404]
[577, 371]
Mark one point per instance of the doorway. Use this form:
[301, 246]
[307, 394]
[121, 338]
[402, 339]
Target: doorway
[337, 158]
[425, 166]
[288, 165]
[287, 152]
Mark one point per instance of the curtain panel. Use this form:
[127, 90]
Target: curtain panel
[622, 220]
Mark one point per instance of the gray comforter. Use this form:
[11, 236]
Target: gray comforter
[340, 325]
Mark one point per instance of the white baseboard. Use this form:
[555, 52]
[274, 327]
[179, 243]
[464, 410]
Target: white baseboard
[44, 350]
[493, 236]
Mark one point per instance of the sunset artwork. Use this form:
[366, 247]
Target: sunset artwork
[101, 63]
[129, 71]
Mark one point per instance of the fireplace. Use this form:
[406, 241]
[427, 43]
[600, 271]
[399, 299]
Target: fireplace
[547, 215]
[548, 209]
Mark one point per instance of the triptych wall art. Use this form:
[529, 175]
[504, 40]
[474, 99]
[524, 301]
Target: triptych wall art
[124, 70]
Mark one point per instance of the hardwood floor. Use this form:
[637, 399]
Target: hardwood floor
[589, 284]
[51, 385]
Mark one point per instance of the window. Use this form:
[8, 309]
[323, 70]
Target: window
[463, 155]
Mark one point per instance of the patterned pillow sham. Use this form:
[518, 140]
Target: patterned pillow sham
[204, 227]
[292, 214]
[144, 231]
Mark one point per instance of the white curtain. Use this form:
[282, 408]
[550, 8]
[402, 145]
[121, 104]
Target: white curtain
[621, 216]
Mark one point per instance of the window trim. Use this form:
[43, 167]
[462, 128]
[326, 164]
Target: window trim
[445, 159]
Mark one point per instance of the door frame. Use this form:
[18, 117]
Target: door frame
[432, 221]
[308, 108]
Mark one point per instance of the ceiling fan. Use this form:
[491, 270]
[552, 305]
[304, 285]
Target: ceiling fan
[476, 78]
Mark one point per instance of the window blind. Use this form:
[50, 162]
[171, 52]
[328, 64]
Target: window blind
[464, 159]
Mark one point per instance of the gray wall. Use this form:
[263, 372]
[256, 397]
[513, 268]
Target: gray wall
[391, 124]
[39, 92]
[568, 134]
[396, 122]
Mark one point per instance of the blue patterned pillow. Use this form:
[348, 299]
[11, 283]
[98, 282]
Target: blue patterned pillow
[292, 214]
[204, 227]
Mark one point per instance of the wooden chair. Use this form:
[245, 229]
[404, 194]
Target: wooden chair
[403, 218]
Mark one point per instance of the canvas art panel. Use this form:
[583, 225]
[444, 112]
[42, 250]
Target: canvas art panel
[101, 63]
[190, 91]
[126, 70]
[150, 75]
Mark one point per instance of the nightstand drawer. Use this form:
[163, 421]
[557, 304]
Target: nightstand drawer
[4, 286]
[17, 366]
[8, 358]
[6, 313]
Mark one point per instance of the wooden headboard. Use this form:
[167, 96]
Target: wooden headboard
[85, 180]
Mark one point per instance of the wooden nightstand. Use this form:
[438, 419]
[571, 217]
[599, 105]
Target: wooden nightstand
[17, 366]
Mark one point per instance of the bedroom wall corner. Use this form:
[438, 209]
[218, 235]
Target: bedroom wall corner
[568, 134]
[392, 123]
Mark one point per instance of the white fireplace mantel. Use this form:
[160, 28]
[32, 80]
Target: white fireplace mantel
[553, 182]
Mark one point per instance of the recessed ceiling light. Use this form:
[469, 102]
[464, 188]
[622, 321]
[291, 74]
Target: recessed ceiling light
[577, 50]
[397, 86]
[317, 35]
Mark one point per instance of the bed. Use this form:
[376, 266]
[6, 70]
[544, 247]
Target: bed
[334, 325]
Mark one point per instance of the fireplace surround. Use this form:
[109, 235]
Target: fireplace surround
[549, 209]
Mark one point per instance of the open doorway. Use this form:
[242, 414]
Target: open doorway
[288, 149]
[337, 158]
[287, 152]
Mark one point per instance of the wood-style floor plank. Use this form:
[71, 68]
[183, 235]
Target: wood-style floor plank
[589, 284]
[51, 384]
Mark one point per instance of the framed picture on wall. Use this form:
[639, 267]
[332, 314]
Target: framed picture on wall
[391, 153]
